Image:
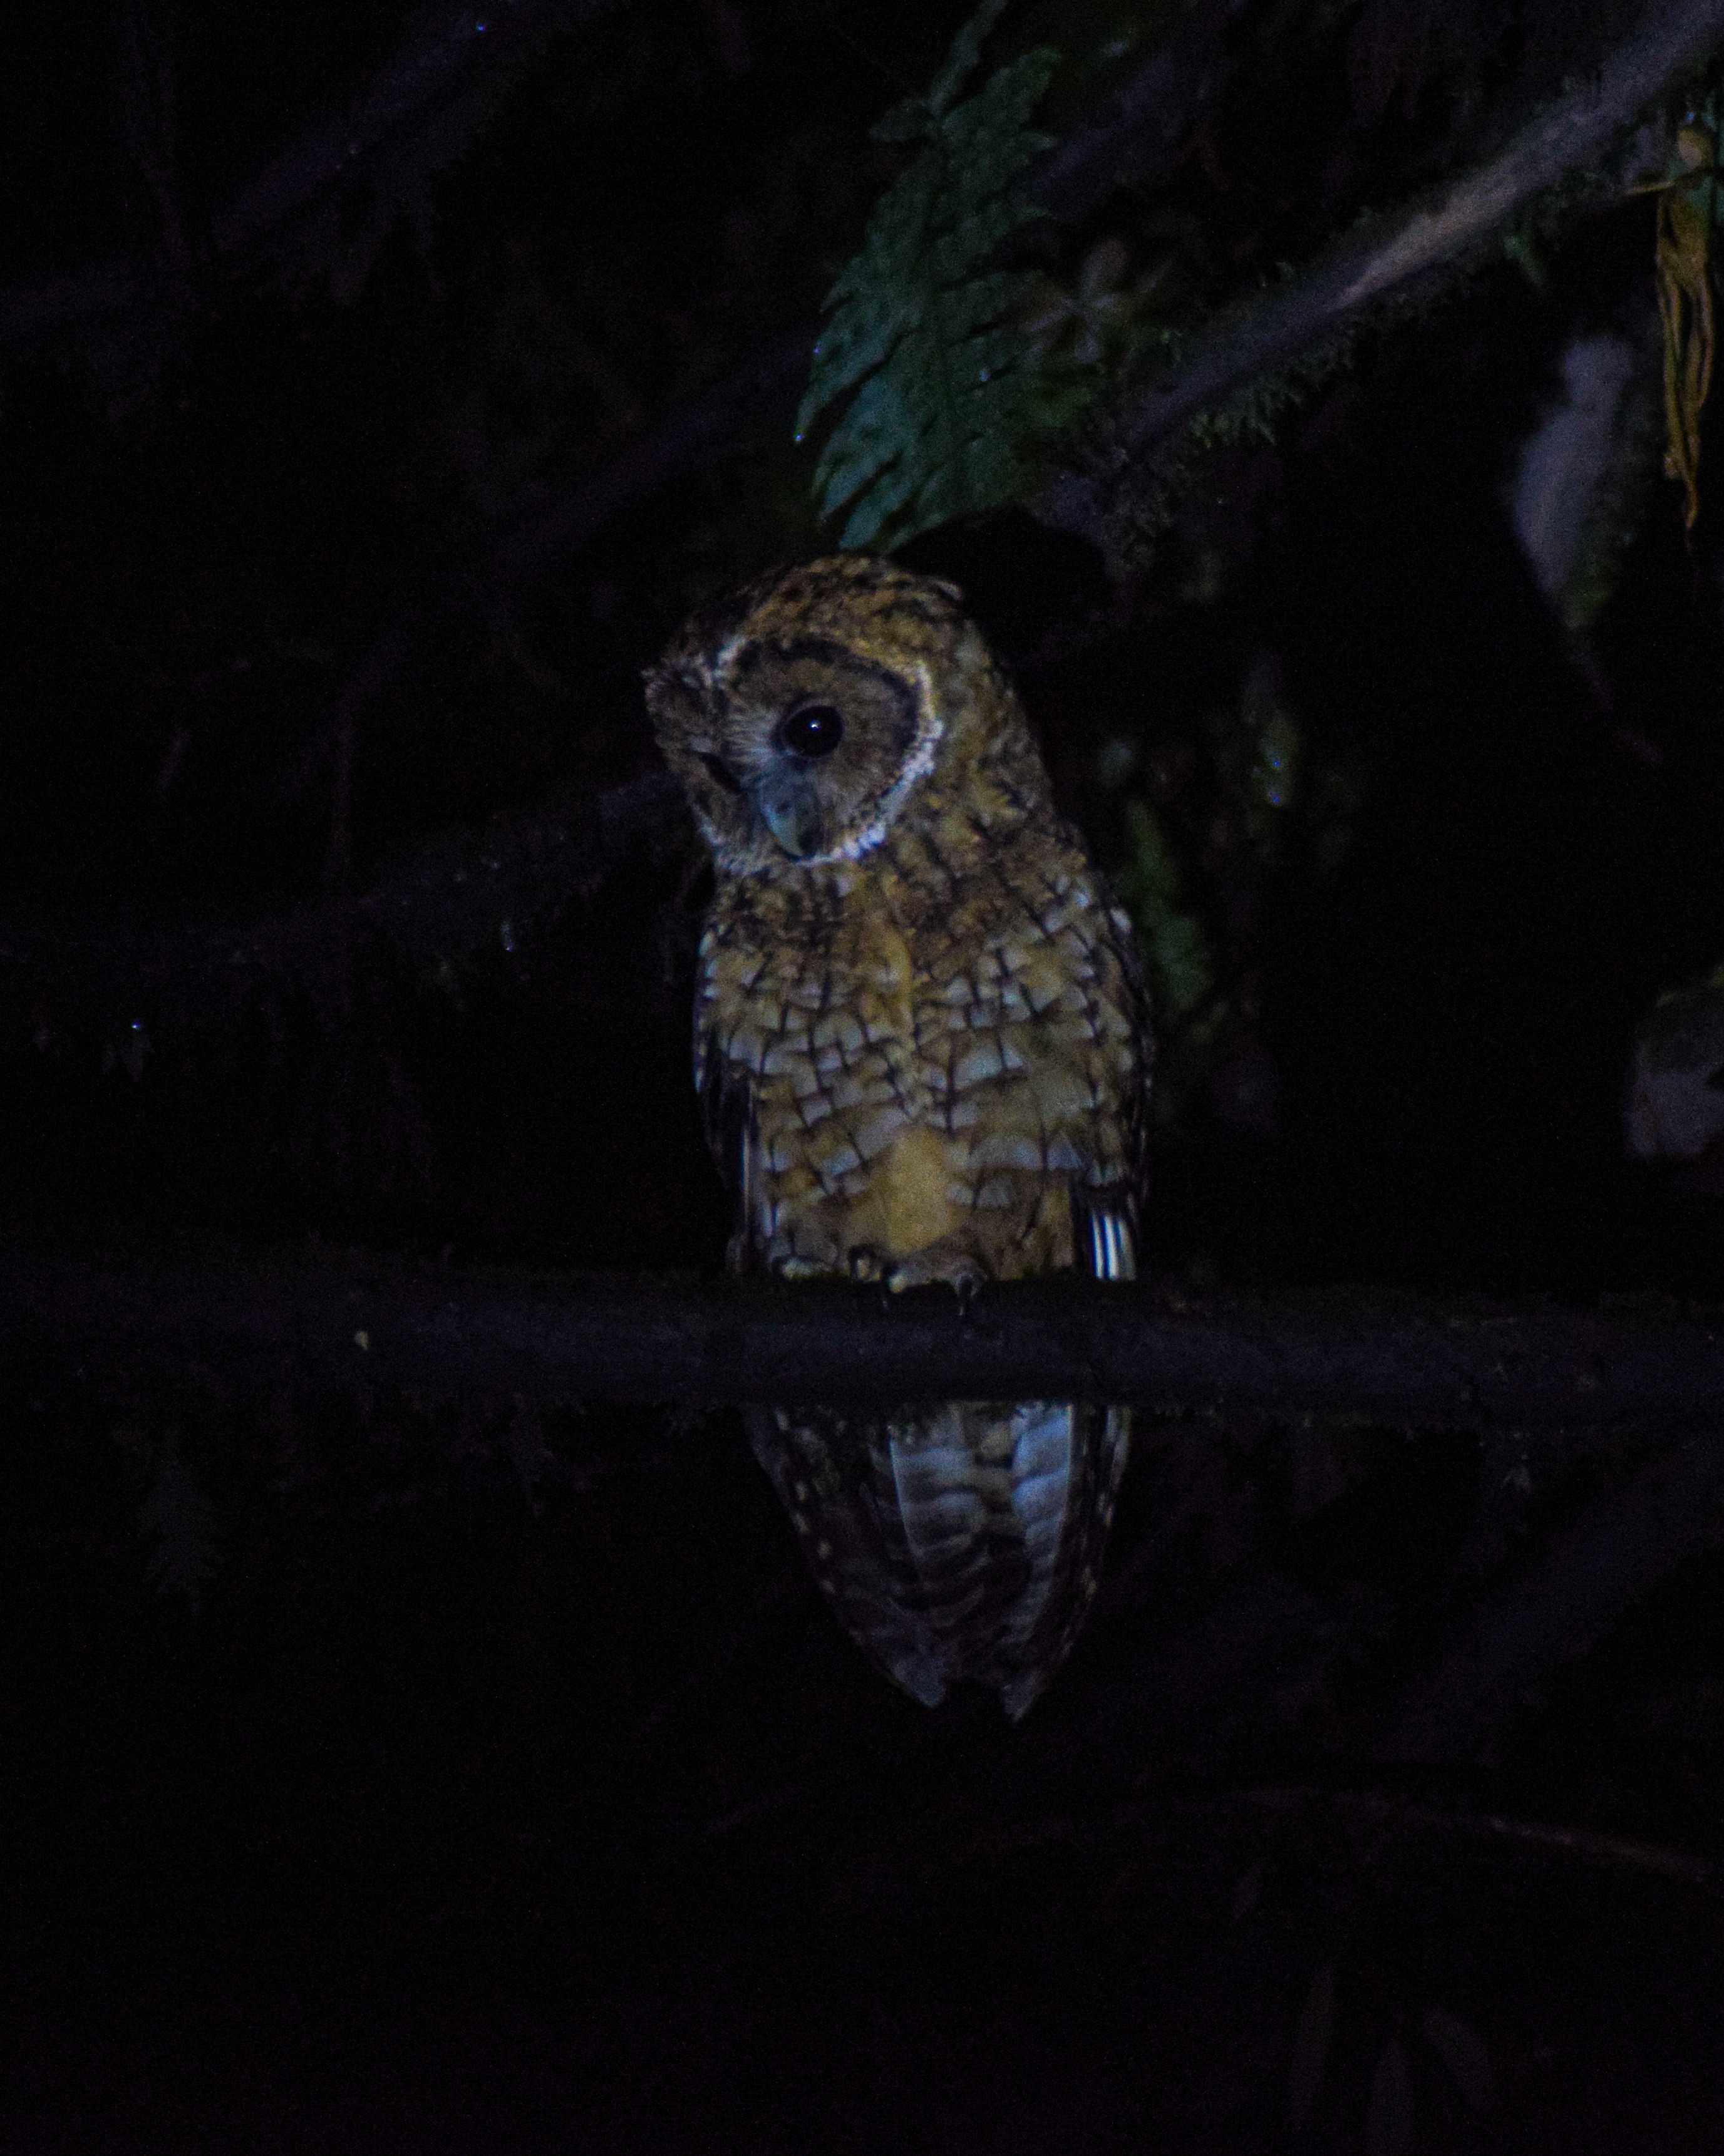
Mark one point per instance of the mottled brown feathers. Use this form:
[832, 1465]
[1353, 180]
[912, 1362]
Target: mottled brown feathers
[922, 1053]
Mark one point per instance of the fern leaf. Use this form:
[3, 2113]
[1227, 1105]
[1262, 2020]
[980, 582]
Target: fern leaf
[945, 403]
[963, 59]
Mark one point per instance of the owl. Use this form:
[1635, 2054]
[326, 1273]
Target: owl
[923, 1055]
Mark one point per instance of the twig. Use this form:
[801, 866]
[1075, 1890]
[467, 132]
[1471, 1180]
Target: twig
[1612, 1849]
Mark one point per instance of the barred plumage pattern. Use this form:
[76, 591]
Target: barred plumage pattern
[922, 1052]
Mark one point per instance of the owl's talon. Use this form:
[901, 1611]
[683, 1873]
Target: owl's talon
[963, 1276]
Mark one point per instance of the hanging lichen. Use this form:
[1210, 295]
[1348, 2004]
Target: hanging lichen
[1687, 218]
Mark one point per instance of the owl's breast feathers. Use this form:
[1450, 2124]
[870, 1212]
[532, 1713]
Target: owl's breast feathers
[926, 1065]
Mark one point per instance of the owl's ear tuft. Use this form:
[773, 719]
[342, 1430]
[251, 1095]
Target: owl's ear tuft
[672, 692]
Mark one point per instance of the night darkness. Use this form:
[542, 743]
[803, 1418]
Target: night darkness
[421, 1773]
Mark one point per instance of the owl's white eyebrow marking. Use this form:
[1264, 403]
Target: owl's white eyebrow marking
[930, 733]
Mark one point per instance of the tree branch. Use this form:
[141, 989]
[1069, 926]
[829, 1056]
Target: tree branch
[1583, 1582]
[266, 1320]
[458, 899]
[1252, 1659]
[1137, 131]
[1400, 259]
[413, 117]
[1207, 1655]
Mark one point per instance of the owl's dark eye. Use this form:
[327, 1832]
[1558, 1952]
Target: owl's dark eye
[815, 730]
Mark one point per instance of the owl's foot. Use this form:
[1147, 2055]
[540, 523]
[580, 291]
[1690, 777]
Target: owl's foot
[865, 1262]
[953, 1269]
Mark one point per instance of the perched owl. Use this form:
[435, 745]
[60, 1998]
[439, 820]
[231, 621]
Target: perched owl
[921, 1051]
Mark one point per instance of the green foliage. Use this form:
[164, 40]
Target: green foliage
[1217, 817]
[925, 340]
[1176, 951]
[1259, 754]
[1190, 1017]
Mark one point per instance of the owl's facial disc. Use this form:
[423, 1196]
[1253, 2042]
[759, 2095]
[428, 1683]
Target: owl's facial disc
[819, 741]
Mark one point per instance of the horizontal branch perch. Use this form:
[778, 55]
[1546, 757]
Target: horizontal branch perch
[269, 1321]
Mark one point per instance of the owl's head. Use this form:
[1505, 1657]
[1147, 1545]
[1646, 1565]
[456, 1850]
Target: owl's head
[806, 713]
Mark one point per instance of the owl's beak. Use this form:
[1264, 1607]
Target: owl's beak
[790, 809]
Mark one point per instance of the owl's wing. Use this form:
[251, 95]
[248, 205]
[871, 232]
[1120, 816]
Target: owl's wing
[1103, 1225]
[725, 1093]
[1105, 1214]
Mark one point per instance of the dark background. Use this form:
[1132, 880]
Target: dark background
[437, 1774]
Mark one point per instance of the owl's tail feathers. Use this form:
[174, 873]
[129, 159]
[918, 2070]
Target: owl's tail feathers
[965, 1542]
[1070, 1460]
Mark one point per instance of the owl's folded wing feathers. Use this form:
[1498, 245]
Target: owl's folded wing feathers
[725, 1093]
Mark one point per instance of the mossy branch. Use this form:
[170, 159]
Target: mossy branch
[1114, 482]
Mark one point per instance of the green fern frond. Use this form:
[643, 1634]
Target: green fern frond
[945, 402]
